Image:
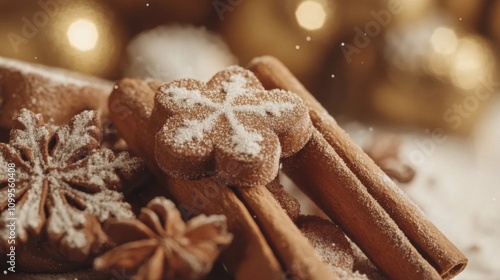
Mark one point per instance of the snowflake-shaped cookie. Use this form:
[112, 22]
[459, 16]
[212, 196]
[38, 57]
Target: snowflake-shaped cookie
[230, 126]
[65, 183]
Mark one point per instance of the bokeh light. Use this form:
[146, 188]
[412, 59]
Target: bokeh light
[86, 37]
[82, 35]
[471, 63]
[444, 40]
[311, 15]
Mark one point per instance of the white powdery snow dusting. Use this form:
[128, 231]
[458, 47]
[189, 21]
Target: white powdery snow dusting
[244, 141]
[55, 75]
[167, 53]
[458, 188]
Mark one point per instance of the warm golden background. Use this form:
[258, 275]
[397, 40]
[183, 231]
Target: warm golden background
[405, 61]
[412, 68]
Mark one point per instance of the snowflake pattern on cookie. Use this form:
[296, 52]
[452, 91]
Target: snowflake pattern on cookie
[231, 127]
[66, 184]
[242, 139]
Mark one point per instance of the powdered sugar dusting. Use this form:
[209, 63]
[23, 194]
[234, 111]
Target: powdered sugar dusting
[57, 76]
[69, 180]
[73, 138]
[328, 241]
[244, 140]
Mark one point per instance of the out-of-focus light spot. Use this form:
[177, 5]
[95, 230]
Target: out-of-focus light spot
[82, 35]
[342, 44]
[333, 76]
[470, 63]
[308, 38]
[310, 15]
[297, 47]
[444, 40]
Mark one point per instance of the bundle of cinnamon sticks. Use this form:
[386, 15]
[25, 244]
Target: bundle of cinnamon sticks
[356, 194]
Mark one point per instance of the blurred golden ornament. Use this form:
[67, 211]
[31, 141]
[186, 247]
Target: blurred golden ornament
[442, 80]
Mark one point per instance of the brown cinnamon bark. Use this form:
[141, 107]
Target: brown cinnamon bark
[291, 247]
[427, 239]
[324, 177]
[249, 256]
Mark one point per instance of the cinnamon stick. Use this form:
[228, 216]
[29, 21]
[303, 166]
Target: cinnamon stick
[250, 256]
[427, 239]
[291, 247]
[326, 179]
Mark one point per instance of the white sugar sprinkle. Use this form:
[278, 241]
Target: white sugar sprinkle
[56, 75]
[244, 141]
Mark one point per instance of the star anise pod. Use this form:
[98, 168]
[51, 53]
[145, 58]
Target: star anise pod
[160, 245]
[65, 185]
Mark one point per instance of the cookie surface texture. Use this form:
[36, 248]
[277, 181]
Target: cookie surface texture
[230, 127]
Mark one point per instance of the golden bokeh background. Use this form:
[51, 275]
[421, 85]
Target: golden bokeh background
[401, 62]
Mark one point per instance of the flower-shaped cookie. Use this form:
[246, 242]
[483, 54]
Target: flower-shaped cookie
[230, 127]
